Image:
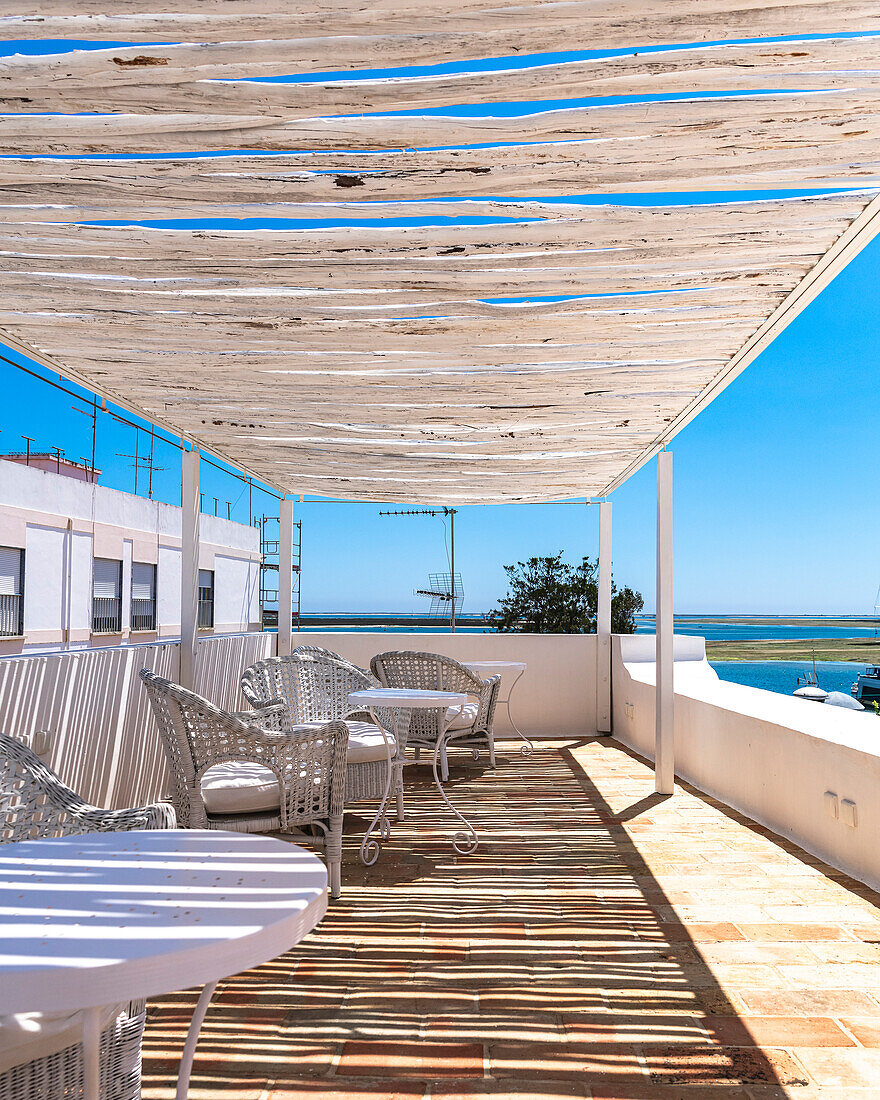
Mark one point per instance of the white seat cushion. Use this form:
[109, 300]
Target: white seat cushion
[465, 719]
[365, 741]
[27, 1036]
[240, 787]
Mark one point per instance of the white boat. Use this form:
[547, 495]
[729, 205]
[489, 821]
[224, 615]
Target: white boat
[811, 691]
[808, 687]
[841, 699]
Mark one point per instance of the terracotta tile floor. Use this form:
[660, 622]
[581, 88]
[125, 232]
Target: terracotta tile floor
[601, 943]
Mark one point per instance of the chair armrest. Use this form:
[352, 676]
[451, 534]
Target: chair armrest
[64, 809]
[160, 815]
[263, 704]
[271, 714]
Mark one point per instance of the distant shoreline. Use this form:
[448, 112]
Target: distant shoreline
[860, 650]
[781, 620]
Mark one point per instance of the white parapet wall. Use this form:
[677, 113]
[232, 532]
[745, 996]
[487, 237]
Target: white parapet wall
[100, 735]
[773, 757]
[556, 696]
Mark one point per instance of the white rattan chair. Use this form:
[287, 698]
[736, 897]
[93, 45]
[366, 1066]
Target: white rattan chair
[41, 1053]
[229, 772]
[312, 685]
[471, 727]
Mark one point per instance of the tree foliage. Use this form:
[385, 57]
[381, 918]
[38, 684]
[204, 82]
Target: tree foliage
[546, 595]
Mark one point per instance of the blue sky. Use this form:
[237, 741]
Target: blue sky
[777, 504]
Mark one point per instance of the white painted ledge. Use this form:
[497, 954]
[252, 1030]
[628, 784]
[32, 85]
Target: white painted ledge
[770, 756]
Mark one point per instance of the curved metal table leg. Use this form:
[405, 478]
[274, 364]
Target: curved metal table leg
[465, 843]
[370, 847]
[192, 1037]
[528, 747]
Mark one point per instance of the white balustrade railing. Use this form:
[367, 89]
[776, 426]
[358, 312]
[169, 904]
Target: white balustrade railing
[99, 732]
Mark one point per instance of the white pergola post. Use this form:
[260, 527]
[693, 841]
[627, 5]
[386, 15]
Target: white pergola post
[285, 578]
[664, 729]
[603, 623]
[189, 569]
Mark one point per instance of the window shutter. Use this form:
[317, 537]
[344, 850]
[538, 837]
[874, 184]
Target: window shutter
[10, 572]
[143, 578]
[106, 579]
[206, 578]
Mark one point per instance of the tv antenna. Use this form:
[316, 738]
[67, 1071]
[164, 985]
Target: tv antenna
[142, 462]
[445, 588]
[446, 593]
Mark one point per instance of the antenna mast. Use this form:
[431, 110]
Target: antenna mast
[453, 593]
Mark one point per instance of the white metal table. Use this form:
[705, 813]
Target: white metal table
[105, 918]
[503, 668]
[401, 702]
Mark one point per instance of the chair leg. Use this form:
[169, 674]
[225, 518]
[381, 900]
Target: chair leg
[400, 813]
[335, 879]
[333, 854]
[491, 741]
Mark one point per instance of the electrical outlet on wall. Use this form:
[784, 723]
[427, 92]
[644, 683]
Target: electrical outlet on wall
[831, 805]
[848, 813]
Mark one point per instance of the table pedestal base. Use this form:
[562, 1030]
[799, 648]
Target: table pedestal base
[464, 841]
[527, 748]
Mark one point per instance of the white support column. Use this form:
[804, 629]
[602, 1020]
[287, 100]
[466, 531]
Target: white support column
[603, 623]
[285, 578]
[664, 729]
[189, 569]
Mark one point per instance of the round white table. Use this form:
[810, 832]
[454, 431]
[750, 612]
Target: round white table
[504, 668]
[401, 702]
[95, 920]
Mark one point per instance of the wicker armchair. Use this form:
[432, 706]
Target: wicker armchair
[312, 685]
[34, 803]
[231, 773]
[434, 672]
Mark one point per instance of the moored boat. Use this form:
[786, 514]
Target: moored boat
[867, 687]
[808, 687]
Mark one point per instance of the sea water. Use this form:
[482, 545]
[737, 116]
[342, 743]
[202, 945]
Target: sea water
[782, 676]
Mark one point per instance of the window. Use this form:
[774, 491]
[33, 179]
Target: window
[206, 597]
[11, 586]
[143, 596]
[107, 596]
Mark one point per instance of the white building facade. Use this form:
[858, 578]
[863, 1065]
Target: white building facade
[85, 566]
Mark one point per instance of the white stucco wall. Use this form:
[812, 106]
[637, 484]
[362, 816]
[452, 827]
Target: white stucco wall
[236, 592]
[62, 524]
[771, 756]
[556, 696]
